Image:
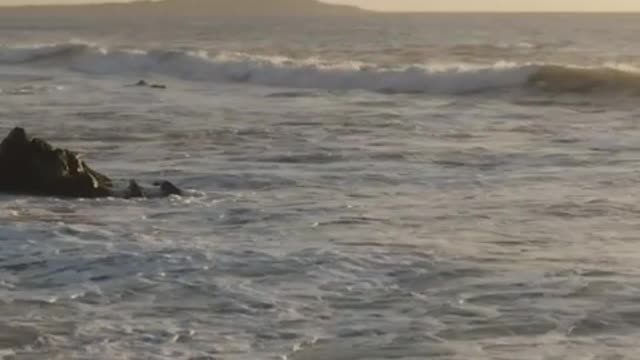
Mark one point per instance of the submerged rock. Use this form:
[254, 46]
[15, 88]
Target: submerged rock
[33, 166]
[146, 84]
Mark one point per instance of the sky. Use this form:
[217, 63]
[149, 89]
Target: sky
[441, 5]
[496, 5]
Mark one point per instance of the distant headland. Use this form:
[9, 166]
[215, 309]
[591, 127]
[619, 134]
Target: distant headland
[178, 8]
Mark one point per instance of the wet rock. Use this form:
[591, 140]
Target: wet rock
[146, 84]
[33, 166]
[168, 188]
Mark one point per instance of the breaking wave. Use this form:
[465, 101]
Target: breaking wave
[197, 65]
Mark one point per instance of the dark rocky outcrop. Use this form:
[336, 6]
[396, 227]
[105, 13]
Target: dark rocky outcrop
[33, 166]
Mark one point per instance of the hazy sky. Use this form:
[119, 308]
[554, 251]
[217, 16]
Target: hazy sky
[448, 5]
[497, 5]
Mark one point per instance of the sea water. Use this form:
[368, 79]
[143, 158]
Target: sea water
[379, 187]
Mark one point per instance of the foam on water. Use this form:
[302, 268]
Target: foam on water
[199, 65]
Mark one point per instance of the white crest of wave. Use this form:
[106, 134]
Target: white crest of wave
[278, 71]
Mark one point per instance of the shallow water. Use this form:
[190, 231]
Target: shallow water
[327, 222]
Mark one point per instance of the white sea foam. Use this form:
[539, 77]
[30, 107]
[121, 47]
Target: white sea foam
[270, 70]
[223, 66]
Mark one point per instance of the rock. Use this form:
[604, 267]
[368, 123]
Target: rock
[134, 190]
[33, 166]
[153, 86]
[168, 188]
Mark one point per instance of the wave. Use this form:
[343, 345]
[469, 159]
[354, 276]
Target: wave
[198, 65]
[574, 79]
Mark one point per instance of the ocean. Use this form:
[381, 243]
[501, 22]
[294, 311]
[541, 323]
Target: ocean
[443, 186]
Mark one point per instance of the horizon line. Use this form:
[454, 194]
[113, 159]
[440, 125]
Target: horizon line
[370, 11]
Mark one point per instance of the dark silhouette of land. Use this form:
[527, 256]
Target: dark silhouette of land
[178, 8]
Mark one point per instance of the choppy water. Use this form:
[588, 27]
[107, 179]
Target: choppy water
[446, 187]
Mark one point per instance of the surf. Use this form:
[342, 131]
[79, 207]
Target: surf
[314, 73]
